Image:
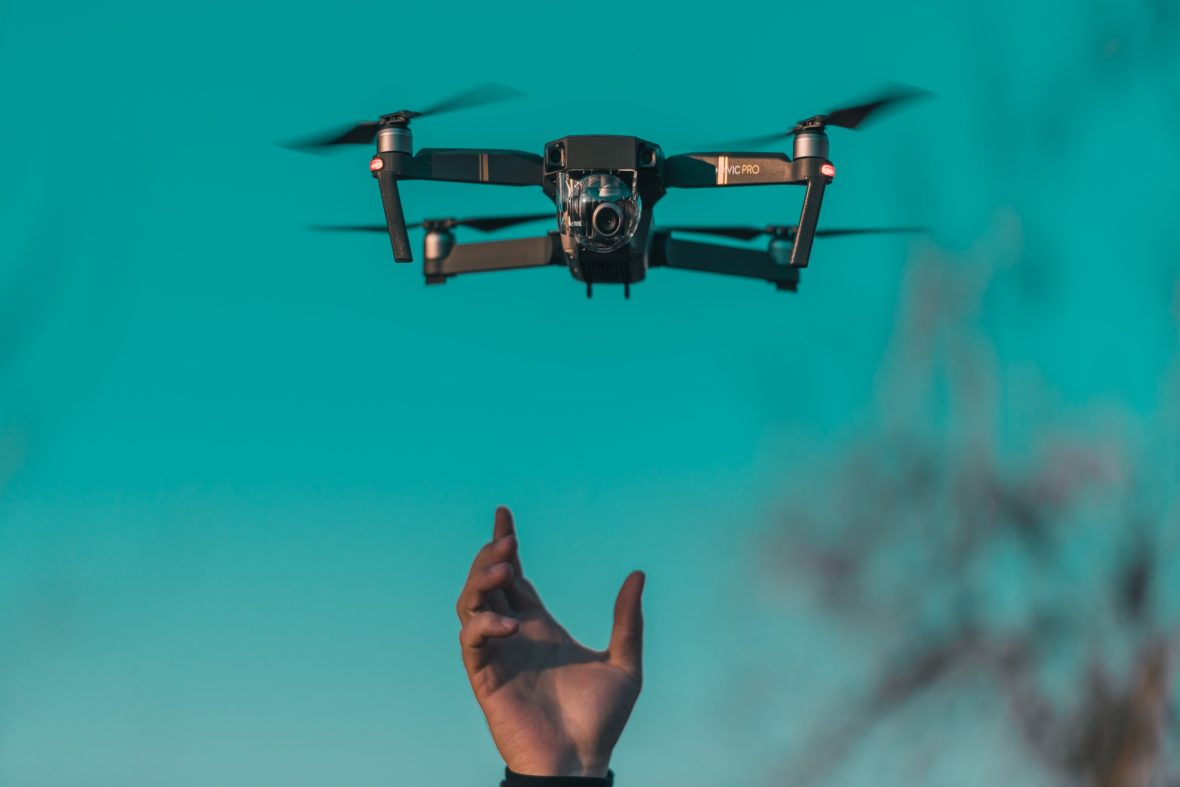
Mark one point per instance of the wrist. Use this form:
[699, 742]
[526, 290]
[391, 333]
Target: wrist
[571, 766]
[515, 779]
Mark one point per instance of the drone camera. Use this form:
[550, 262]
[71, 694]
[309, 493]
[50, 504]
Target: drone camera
[600, 210]
[607, 219]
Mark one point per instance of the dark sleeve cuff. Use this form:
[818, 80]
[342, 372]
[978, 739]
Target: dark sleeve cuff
[512, 779]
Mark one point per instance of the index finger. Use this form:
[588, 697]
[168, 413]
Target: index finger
[520, 592]
[506, 525]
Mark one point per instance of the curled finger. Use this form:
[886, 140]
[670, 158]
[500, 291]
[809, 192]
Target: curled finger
[483, 589]
[478, 632]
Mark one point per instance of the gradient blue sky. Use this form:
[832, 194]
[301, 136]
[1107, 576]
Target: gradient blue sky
[248, 465]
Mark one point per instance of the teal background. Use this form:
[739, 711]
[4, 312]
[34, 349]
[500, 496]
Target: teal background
[245, 466]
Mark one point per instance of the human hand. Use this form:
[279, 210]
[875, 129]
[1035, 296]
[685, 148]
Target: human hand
[554, 706]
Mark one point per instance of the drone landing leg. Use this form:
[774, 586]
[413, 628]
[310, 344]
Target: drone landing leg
[589, 290]
[392, 202]
[808, 218]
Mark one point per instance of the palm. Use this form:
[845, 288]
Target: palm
[552, 704]
[543, 691]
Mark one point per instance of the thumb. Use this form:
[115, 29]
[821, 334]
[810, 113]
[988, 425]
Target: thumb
[626, 637]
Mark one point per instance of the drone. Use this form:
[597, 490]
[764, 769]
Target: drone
[605, 189]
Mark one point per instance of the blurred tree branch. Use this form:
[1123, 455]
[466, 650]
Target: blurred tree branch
[915, 534]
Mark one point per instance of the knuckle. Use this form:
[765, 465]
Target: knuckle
[489, 578]
[469, 631]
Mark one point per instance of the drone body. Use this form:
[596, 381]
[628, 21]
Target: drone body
[604, 189]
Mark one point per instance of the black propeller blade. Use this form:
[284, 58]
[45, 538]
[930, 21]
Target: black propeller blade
[788, 231]
[741, 233]
[487, 93]
[490, 223]
[846, 117]
[349, 228]
[364, 132]
[481, 224]
[835, 233]
[852, 117]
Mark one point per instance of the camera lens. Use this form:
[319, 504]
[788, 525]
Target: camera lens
[607, 219]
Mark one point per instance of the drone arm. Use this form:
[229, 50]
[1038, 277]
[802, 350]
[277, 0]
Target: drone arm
[497, 255]
[703, 170]
[497, 167]
[503, 167]
[670, 252]
[699, 170]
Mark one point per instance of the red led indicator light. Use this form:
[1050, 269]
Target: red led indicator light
[376, 164]
[829, 170]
